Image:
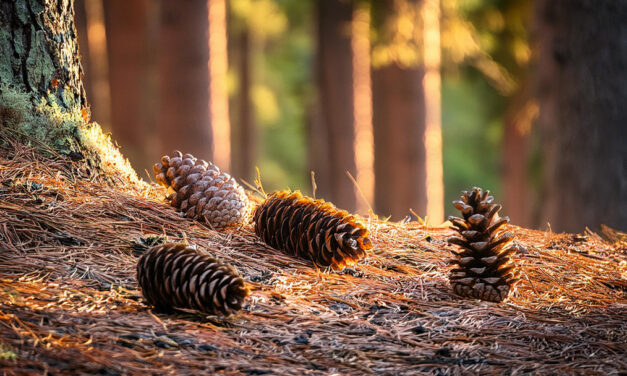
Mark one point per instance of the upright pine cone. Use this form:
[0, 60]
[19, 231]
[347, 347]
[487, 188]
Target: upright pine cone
[312, 229]
[484, 269]
[175, 275]
[201, 191]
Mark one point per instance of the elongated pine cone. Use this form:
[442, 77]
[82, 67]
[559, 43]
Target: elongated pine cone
[312, 229]
[485, 269]
[200, 190]
[176, 276]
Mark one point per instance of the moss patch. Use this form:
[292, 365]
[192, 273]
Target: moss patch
[44, 123]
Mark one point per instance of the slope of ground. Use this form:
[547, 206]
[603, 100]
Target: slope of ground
[69, 302]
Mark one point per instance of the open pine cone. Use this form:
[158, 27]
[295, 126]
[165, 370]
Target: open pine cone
[485, 269]
[200, 190]
[176, 276]
[312, 229]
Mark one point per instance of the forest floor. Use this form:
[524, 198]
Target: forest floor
[69, 302]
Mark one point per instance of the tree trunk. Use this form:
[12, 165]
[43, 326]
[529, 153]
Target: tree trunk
[362, 107]
[94, 59]
[244, 133]
[399, 117]
[128, 44]
[582, 76]
[40, 51]
[399, 127]
[184, 121]
[518, 201]
[335, 101]
[219, 99]
[80, 20]
[42, 99]
[433, 111]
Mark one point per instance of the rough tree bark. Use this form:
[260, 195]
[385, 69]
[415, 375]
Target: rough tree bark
[399, 119]
[582, 76]
[40, 51]
[335, 115]
[42, 99]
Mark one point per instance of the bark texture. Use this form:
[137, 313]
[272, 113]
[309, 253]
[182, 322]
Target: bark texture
[582, 76]
[335, 105]
[42, 99]
[40, 51]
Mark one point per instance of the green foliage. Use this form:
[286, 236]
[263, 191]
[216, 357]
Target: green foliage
[485, 57]
[283, 85]
[471, 133]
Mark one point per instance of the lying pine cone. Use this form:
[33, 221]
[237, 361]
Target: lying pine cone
[177, 276]
[485, 269]
[201, 191]
[312, 229]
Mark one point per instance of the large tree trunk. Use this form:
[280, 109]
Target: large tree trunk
[128, 50]
[399, 118]
[433, 111]
[399, 127]
[582, 73]
[518, 200]
[362, 107]
[40, 51]
[184, 121]
[335, 105]
[42, 99]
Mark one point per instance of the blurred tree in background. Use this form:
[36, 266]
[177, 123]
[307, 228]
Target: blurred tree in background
[339, 86]
[582, 81]
[332, 135]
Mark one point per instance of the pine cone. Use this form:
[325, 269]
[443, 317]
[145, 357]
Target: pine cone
[201, 191]
[312, 229]
[485, 269]
[175, 275]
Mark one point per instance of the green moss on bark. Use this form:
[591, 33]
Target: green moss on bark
[49, 124]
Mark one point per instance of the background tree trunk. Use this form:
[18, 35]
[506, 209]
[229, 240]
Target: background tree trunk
[399, 116]
[219, 98]
[335, 101]
[243, 128]
[94, 59]
[582, 76]
[184, 121]
[128, 43]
